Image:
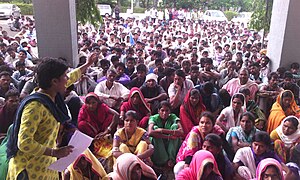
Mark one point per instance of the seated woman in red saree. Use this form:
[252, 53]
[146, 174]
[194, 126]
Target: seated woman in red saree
[95, 118]
[190, 110]
[137, 103]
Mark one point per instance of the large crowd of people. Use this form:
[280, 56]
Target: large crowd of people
[162, 98]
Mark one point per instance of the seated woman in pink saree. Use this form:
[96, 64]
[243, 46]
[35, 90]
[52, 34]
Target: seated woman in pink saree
[202, 167]
[137, 103]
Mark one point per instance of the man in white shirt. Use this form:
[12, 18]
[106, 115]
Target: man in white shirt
[178, 89]
[110, 92]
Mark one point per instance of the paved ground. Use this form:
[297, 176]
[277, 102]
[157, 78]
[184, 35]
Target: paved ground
[3, 24]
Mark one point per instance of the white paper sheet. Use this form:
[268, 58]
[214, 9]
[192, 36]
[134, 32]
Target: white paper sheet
[80, 142]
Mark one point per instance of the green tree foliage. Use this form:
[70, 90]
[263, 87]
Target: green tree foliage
[261, 18]
[87, 12]
[230, 14]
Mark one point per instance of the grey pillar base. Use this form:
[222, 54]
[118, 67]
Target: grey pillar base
[56, 28]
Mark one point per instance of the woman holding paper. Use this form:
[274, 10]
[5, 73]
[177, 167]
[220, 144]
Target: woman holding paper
[32, 145]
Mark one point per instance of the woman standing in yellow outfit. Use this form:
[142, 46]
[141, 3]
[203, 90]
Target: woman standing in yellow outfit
[32, 145]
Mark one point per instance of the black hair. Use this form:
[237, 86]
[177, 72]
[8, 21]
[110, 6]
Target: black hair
[194, 68]
[239, 96]
[263, 137]
[131, 113]
[208, 87]
[194, 92]
[130, 59]
[169, 71]
[19, 63]
[287, 74]
[214, 139]
[293, 120]
[49, 69]
[11, 93]
[165, 103]
[245, 91]
[112, 71]
[120, 64]
[142, 67]
[208, 60]
[22, 50]
[114, 58]
[10, 49]
[295, 154]
[250, 115]
[295, 65]
[158, 61]
[209, 115]
[281, 70]
[180, 73]
[6, 68]
[256, 64]
[273, 75]
[4, 73]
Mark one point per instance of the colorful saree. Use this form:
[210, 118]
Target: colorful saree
[143, 109]
[277, 114]
[189, 115]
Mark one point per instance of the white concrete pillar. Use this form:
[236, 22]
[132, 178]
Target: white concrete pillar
[56, 28]
[284, 36]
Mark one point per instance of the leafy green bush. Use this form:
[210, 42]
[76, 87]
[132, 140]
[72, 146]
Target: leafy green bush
[26, 9]
[135, 10]
[139, 10]
[230, 14]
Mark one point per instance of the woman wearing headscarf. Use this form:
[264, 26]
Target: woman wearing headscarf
[191, 110]
[269, 168]
[231, 115]
[137, 103]
[202, 167]
[95, 118]
[85, 167]
[284, 106]
[194, 140]
[286, 136]
[128, 167]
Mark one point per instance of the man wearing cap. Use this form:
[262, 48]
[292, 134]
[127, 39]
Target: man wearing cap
[153, 92]
[178, 89]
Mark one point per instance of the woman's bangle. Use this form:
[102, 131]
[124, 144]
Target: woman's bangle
[109, 128]
[150, 146]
